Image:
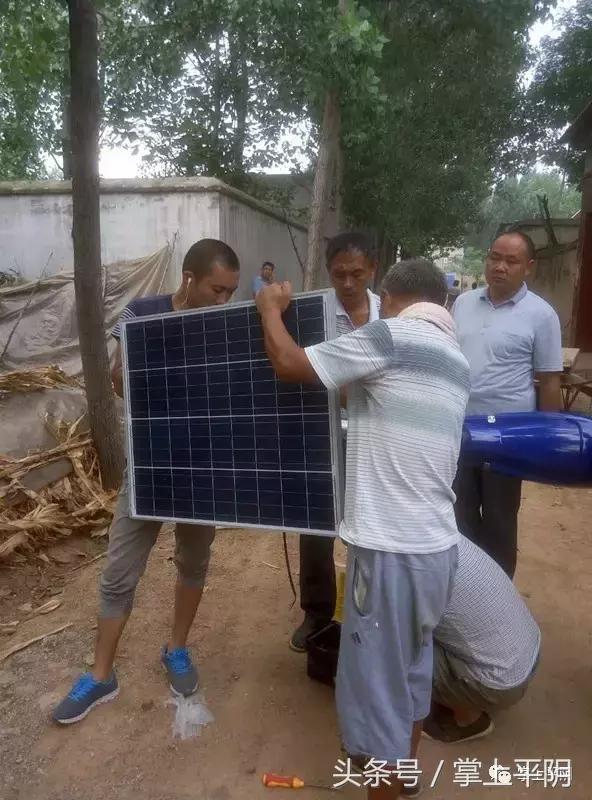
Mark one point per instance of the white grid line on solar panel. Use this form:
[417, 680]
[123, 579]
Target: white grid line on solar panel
[170, 419]
[166, 383]
[150, 442]
[188, 425]
[303, 433]
[231, 418]
[258, 513]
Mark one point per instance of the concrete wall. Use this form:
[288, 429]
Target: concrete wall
[555, 279]
[258, 237]
[138, 217]
[556, 271]
[132, 225]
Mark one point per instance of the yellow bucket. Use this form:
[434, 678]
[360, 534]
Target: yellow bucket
[340, 597]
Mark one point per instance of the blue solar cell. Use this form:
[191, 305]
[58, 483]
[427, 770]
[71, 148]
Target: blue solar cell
[214, 436]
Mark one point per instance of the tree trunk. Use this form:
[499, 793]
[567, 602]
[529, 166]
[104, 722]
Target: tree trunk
[328, 163]
[85, 112]
[321, 188]
[338, 187]
[66, 135]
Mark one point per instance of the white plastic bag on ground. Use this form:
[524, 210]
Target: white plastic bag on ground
[190, 716]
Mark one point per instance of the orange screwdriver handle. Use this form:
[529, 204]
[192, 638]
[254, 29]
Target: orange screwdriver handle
[281, 781]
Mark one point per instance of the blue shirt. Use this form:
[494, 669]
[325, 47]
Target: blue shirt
[143, 307]
[259, 283]
[505, 345]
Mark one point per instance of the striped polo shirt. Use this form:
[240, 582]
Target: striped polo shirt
[407, 389]
[143, 307]
[344, 323]
[487, 624]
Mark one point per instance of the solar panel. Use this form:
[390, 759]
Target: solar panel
[214, 436]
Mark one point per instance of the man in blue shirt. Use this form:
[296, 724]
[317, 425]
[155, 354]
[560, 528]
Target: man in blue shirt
[510, 337]
[265, 277]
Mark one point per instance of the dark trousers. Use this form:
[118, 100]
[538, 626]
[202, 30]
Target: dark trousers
[486, 509]
[317, 577]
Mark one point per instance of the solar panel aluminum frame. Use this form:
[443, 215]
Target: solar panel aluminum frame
[334, 410]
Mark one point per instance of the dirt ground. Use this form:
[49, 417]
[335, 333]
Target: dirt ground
[268, 715]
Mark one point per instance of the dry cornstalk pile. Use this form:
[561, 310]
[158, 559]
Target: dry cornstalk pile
[35, 380]
[30, 519]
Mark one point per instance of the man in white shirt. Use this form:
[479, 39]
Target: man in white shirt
[351, 266]
[407, 388]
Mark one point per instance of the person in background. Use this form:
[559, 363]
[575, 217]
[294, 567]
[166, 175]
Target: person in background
[486, 650]
[210, 277]
[453, 293]
[351, 266]
[511, 338]
[474, 285]
[407, 386]
[265, 277]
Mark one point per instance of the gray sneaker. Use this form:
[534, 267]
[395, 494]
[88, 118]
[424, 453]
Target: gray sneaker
[86, 693]
[181, 671]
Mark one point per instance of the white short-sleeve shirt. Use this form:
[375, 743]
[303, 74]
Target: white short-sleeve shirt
[407, 389]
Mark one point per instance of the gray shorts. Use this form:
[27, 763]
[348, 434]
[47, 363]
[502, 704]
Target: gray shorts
[393, 602]
[130, 543]
[454, 686]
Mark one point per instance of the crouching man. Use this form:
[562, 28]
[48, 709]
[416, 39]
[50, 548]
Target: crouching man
[407, 388]
[486, 650]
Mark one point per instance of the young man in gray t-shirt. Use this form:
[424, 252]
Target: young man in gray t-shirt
[407, 387]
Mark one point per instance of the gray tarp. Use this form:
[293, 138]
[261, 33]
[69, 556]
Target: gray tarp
[47, 332]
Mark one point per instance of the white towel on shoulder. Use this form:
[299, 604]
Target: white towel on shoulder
[430, 312]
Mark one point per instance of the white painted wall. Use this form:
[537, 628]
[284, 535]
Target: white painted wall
[139, 217]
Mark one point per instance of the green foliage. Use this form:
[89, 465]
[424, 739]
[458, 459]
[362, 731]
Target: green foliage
[429, 91]
[235, 75]
[33, 53]
[419, 164]
[562, 87]
[516, 199]
[472, 262]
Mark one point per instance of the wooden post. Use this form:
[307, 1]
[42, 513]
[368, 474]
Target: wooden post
[85, 116]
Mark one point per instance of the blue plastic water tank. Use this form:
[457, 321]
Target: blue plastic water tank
[537, 446]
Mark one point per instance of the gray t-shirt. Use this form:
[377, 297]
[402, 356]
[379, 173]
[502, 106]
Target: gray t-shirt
[486, 623]
[407, 388]
[505, 345]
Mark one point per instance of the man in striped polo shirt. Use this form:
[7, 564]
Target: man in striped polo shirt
[486, 649]
[407, 389]
[351, 266]
[210, 276]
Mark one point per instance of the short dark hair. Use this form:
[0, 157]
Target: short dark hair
[201, 257]
[416, 277]
[474, 285]
[344, 242]
[268, 264]
[456, 283]
[530, 248]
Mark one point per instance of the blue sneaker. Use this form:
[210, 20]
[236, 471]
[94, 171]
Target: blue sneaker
[181, 671]
[83, 697]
